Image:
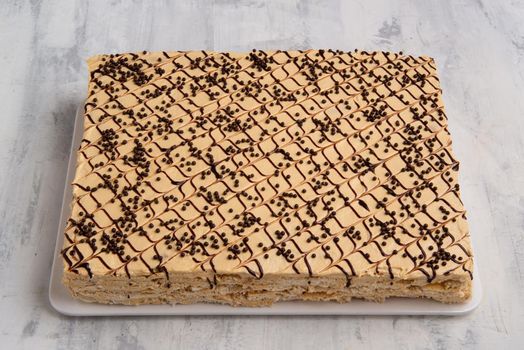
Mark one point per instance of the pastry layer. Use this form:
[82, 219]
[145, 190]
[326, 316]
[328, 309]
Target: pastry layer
[244, 291]
[272, 166]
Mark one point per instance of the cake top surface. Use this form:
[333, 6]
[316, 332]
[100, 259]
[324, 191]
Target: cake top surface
[268, 162]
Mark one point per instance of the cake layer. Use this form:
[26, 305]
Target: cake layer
[244, 291]
[291, 164]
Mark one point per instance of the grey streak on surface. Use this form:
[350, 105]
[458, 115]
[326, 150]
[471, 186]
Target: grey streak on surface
[479, 49]
[390, 30]
[29, 329]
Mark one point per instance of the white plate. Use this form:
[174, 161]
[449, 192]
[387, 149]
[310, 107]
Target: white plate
[62, 301]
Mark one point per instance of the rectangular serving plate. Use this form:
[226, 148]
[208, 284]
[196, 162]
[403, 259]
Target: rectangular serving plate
[62, 301]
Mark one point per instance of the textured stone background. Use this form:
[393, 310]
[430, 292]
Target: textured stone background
[479, 48]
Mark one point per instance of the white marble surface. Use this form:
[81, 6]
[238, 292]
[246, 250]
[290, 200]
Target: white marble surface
[479, 48]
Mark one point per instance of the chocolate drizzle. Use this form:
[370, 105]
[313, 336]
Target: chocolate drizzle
[314, 161]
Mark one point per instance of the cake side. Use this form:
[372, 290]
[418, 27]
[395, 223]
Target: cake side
[269, 166]
[243, 290]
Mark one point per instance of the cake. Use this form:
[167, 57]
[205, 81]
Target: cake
[251, 178]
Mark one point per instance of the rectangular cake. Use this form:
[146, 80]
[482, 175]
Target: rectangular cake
[250, 178]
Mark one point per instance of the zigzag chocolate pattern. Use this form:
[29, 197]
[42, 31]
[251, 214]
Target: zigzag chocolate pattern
[307, 162]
